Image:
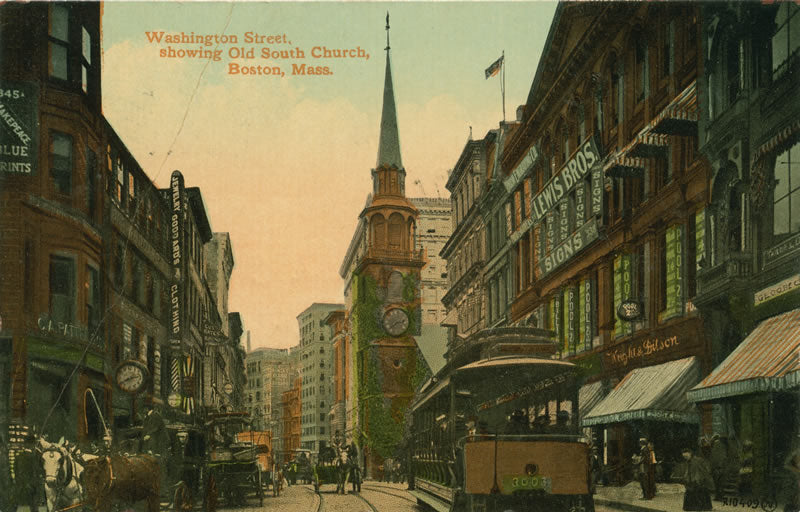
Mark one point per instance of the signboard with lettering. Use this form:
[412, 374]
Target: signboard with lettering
[569, 247]
[19, 135]
[521, 169]
[656, 346]
[629, 310]
[776, 252]
[176, 246]
[571, 175]
[674, 246]
[776, 290]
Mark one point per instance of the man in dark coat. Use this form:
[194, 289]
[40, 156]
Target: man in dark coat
[695, 474]
[647, 469]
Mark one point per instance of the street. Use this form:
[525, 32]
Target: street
[374, 497]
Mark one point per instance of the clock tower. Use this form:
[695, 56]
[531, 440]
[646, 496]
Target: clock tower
[385, 299]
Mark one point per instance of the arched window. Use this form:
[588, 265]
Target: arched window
[641, 69]
[379, 231]
[396, 231]
[614, 91]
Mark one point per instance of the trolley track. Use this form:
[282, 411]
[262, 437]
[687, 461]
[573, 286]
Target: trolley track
[385, 490]
[320, 500]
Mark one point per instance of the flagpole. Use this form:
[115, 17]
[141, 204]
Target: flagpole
[503, 83]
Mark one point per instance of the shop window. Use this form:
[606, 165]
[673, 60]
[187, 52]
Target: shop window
[61, 162]
[786, 40]
[58, 33]
[786, 194]
[62, 289]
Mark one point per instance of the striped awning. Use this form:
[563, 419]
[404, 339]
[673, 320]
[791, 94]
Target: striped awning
[767, 360]
[649, 144]
[680, 117]
[624, 167]
[655, 393]
[780, 138]
[588, 396]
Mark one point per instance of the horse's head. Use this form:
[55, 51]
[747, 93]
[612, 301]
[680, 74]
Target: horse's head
[57, 465]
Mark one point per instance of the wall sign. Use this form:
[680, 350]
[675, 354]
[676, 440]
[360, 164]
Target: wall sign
[571, 175]
[776, 290]
[787, 246]
[19, 135]
[565, 250]
[176, 248]
[629, 310]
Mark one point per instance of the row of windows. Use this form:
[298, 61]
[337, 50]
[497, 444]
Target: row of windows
[64, 291]
[138, 280]
[73, 49]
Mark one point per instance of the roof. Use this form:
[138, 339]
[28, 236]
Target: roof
[514, 361]
[589, 395]
[650, 393]
[200, 213]
[432, 342]
[767, 360]
[389, 145]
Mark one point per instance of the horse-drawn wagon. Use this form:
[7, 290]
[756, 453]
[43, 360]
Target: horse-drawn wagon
[233, 468]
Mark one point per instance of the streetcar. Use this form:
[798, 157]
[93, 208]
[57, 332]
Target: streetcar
[497, 429]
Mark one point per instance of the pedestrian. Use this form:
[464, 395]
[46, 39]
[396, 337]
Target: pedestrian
[695, 474]
[647, 469]
[595, 468]
[719, 464]
[746, 469]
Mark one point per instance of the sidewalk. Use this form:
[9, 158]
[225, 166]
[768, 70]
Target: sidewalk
[669, 498]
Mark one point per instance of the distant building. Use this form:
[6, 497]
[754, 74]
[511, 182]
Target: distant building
[291, 406]
[269, 373]
[315, 354]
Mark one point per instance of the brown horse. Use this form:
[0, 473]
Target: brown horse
[118, 478]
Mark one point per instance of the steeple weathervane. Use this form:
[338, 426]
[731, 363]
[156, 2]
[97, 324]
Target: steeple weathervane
[387, 32]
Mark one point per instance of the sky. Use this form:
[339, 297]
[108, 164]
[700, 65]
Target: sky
[283, 162]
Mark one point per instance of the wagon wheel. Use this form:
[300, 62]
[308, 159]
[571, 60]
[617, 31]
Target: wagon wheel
[211, 494]
[183, 498]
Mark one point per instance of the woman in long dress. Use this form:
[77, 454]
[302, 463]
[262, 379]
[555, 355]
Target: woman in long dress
[695, 474]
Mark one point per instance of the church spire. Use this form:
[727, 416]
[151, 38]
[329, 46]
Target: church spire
[389, 142]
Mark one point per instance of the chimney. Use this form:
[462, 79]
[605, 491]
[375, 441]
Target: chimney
[248, 341]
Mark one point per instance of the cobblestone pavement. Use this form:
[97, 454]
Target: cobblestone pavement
[374, 497]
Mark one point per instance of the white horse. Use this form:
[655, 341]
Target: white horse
[342, 470]
[62, 469]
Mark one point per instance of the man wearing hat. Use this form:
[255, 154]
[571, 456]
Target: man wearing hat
[647, 469]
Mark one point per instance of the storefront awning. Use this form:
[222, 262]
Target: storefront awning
[588, 396]
[680, 117]
[767, 360]
[656, 393]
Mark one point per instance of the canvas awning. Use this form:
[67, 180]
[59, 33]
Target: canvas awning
[656, 393]
[767, 360]
[680, 117]
[588, 396]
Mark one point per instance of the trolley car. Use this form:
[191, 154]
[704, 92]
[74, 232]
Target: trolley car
[497, 429]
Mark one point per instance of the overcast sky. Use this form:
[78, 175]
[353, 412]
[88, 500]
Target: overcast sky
[284, 163]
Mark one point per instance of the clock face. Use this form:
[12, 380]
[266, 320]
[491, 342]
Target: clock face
[131, 376]
[395, 321]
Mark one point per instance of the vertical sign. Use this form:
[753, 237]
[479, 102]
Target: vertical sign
[176, 249]
[19, 127]
[571, 314]
[563, 220]
[597, 192]
[622, 291]
[557, 317]
[674, 243]
[551, 231]
[582, 334]
[700, 236]
[588, 296]
[580, 204]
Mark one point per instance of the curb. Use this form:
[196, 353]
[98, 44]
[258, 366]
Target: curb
[622, 505]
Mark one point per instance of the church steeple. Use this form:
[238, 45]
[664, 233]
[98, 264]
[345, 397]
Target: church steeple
[389, 145]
